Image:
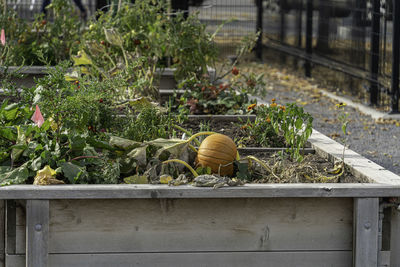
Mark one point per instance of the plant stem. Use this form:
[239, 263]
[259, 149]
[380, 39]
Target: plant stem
[199, 134]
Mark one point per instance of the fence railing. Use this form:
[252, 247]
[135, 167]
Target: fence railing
[359, 38]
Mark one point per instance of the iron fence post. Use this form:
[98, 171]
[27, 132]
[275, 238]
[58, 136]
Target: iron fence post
[395, 57]
[309, 37]
[259, 29]
[374, 62]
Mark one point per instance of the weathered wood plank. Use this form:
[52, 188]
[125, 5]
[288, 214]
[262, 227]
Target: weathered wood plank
[37, 233]
[2, 233]
[163, 191]
[177, 225]
[219, 259]
[20, 240]
[10, 226]
[395, 238]
[366, 215]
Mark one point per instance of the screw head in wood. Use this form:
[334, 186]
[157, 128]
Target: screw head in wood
[367, 225]
[38, 227]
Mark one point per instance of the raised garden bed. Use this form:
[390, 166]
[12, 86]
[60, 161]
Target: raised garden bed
[167, 80]
[250, 225]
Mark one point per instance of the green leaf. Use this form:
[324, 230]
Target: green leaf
[73, 172]
[10, 112]
[16, 152]
[77, 142]
[344, 128]
[36, 164]
[15, 176]
[8, 133]
[299, 123]
[99, 144]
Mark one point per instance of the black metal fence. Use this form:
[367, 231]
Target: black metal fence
[357, 38]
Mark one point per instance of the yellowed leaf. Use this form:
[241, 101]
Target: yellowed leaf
[165, 178]
[46, 176]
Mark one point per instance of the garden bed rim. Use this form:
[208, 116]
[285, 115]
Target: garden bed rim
[146, 191]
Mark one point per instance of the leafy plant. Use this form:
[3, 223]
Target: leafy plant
[53, 40]
[274, 122]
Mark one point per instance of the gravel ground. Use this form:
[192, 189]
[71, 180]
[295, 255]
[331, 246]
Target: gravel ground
[378, 141]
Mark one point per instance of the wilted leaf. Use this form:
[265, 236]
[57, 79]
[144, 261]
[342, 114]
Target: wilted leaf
[123, 143]
[81, 59]
[174, 146]
[71, 76]
[113, 37]
[165, 178]
[46, 176]
[140, 103]
[136, 179]
[139, 154]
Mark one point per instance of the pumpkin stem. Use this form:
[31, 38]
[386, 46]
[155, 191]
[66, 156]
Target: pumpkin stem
[193, 137]
[195, 174]
[186, 132]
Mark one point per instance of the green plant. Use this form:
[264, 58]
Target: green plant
[81, 106]
[274, 122]
[205, 97]
[208, 95]
[53, 41]
[153, 124]
[141, 37]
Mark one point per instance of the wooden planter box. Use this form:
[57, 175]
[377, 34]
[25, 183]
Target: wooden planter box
[277, 225]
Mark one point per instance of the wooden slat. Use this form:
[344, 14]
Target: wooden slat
[366, 213]
[395, 238]
[164, 191]
[10, 227]
[219, 259]
[173, 225]
[2, 232]
[37, 233]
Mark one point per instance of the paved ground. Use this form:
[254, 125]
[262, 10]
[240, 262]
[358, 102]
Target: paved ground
[375, 139]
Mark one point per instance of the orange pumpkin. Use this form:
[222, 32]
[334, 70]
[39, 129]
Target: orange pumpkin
[218, 152]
